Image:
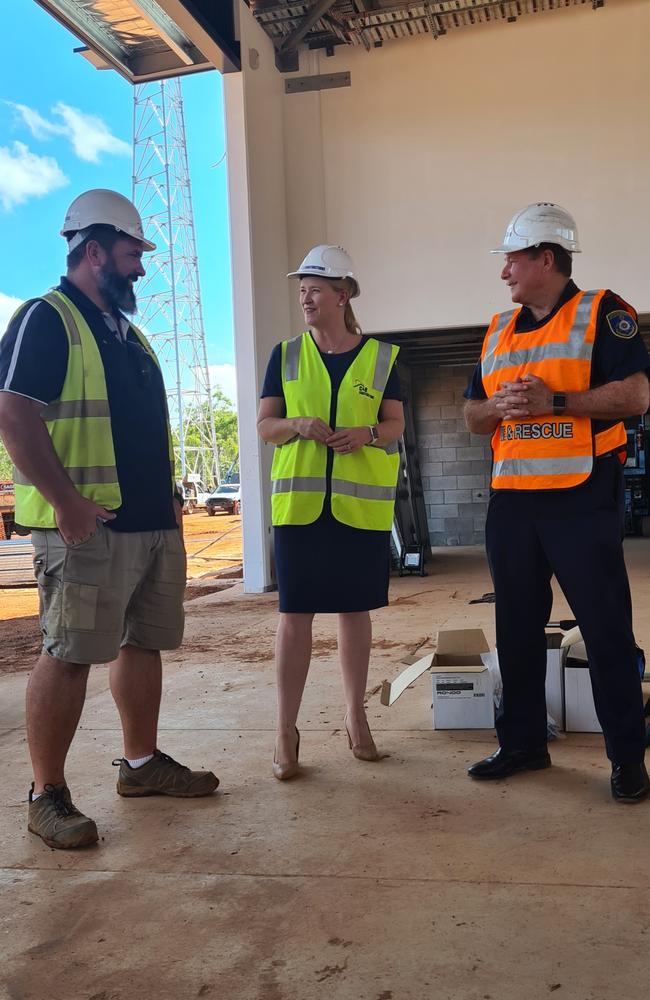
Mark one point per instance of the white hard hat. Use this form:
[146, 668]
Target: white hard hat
[542, 222]
[328, 262]
[101, 207]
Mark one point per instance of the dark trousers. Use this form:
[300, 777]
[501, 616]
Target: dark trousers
[576, 535]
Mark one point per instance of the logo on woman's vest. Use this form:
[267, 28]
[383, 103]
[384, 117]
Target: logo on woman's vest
[362, 389]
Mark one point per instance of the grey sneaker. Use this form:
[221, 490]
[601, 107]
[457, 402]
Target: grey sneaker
[163, 776]
[54, 818]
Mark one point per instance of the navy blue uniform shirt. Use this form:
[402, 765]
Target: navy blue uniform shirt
[33, 363]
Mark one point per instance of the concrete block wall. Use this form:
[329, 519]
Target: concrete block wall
[455, 464]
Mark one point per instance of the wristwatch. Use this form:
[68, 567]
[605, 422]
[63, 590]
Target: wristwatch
[374, 434]
[559, 403]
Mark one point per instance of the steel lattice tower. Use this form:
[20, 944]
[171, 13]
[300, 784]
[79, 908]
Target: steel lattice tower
[169, 296]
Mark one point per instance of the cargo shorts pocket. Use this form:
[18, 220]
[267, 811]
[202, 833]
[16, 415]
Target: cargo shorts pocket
[50, 604]
[79, 606]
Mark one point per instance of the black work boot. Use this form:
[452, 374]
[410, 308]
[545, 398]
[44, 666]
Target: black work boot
[630, 782]
[503, 763]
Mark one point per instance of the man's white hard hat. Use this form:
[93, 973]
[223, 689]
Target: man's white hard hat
[101, 207]
[542, 222]
[328, 262]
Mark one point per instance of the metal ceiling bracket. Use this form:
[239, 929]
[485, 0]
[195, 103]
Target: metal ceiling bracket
[324, 81]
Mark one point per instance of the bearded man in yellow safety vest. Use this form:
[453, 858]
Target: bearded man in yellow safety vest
[84, 418]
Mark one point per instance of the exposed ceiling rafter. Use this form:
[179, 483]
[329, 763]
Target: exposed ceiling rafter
[371, 23]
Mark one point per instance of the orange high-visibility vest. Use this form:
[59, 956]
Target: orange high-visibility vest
[546, 452]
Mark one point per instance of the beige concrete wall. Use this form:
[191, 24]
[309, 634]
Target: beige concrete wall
[434, 146]
[256, 183]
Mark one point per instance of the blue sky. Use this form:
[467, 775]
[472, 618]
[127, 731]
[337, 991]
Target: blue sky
[46, 161]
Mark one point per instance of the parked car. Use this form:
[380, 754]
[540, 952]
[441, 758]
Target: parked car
[226, 497]
[195, 495]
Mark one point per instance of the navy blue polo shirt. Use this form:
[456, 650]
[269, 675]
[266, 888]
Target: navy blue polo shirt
[616, 354]
[33, 363]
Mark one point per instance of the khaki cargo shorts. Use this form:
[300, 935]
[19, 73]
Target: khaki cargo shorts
[114, 589]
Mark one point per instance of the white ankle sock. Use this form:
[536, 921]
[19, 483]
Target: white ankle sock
[139, 761]
[34, 796]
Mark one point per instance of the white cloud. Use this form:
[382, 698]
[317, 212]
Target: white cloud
[8, 306]
[37, 125]
[89, 135]
[25, 175]
[223, 377]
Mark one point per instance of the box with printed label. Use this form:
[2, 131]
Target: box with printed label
[580, 711]
[461, 682]
[555, 657]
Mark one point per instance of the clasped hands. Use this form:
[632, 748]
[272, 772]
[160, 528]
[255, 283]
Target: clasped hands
[345, 441]
[526, 397]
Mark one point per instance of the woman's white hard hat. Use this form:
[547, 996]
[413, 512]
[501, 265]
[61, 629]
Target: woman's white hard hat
[331, 262]
[542, 222]
[101, 207]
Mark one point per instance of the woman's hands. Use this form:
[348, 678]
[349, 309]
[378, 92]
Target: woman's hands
[311, 428]
[345, 441]
[349, 440]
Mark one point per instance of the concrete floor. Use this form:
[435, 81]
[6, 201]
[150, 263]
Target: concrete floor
[400, 880]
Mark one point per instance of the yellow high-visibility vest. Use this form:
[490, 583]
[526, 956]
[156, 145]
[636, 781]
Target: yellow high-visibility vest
[79, 424]
[363, 482]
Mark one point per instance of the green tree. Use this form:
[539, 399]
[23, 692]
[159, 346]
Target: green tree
[225, 424]
[6, 466]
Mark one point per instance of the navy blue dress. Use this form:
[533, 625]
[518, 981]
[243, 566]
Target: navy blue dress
[327, 566]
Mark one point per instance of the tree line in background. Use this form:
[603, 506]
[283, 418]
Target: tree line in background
[225, 422]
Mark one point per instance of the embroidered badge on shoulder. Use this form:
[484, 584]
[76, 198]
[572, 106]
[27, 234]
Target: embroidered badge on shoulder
[622, 324]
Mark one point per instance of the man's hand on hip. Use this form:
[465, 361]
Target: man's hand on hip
[77, 519]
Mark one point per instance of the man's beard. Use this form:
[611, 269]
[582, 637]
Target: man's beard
[116, 290]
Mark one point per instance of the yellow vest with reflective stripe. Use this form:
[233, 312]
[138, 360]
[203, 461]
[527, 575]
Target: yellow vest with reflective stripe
[363, 482]
[79, 424]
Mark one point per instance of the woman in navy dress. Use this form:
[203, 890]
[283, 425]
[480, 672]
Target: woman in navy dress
[327, 566]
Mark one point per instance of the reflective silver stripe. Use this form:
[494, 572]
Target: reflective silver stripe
[363, 491]
[583, 312]
[542, 466]
[76, 408]
[576, 347]
[80, 477]
[502, 322]
[299, 484]
[70, 322]
[382, 365]
[543, 352]
[291, 358]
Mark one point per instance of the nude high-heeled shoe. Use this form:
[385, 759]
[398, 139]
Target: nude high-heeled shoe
[283, 770]
[363, 751]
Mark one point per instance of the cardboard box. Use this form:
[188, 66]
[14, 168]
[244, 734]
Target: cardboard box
[461, 683]
[555, 658]
[580, 712]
